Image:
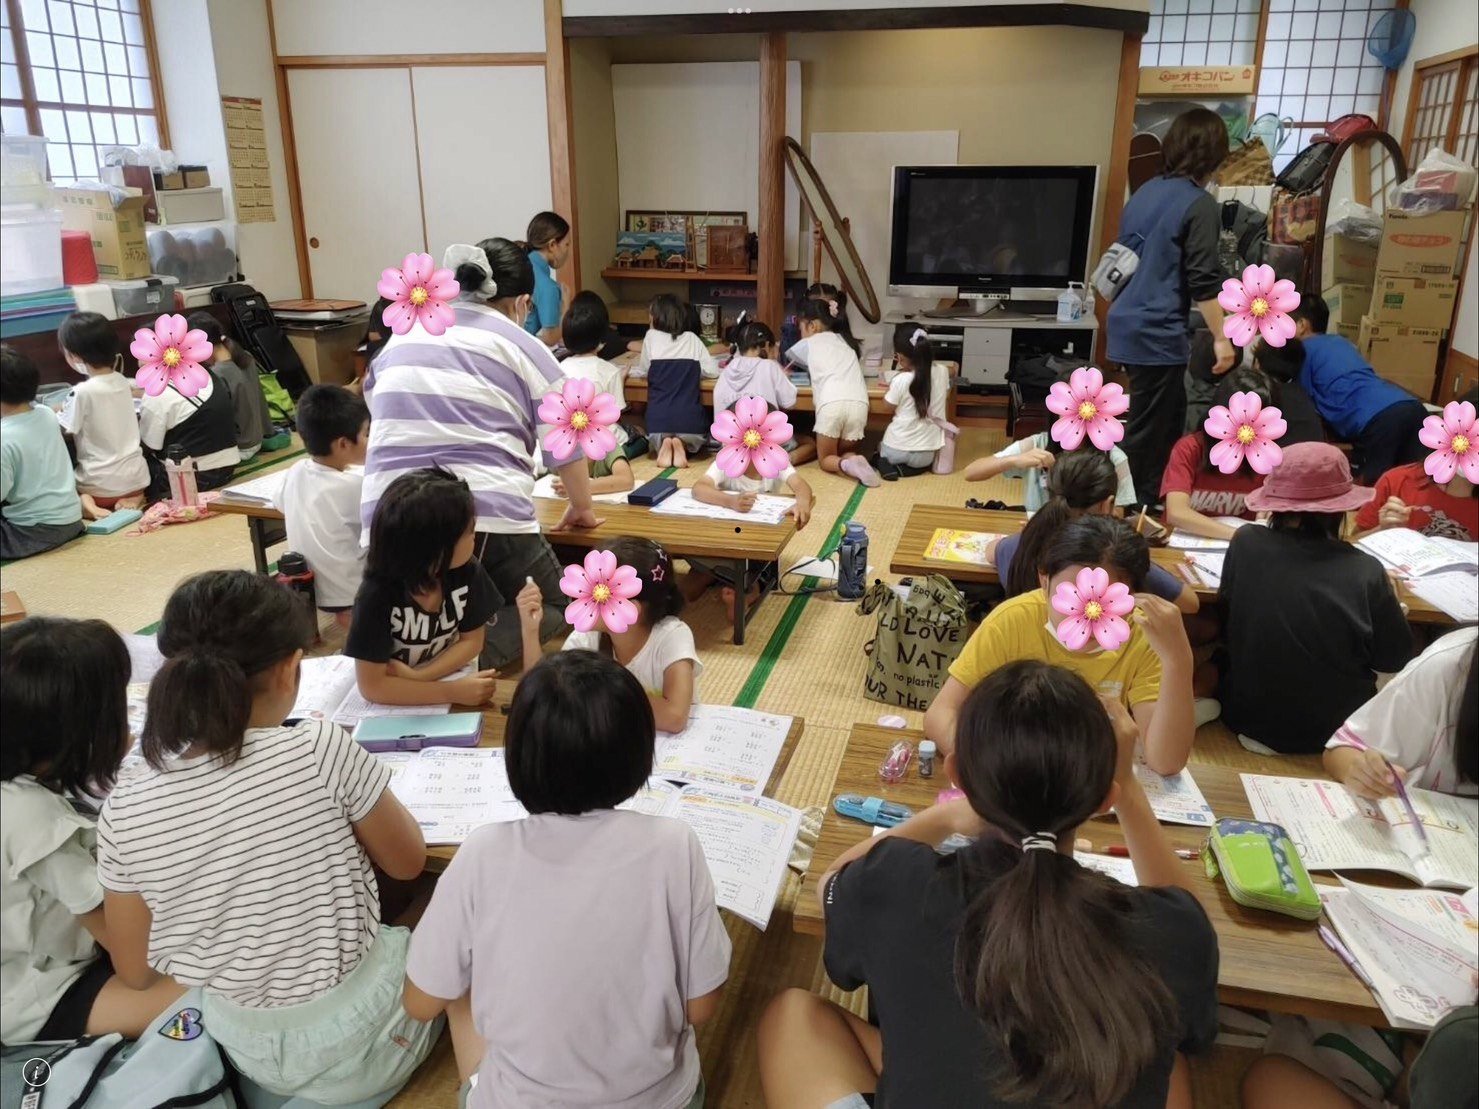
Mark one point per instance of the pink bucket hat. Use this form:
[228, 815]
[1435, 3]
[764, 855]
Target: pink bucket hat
[1313, 477]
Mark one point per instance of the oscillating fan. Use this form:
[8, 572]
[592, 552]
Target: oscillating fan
[1388, 43]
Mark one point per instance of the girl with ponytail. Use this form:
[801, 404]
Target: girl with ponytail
[1007, 973]
[1083, 483]
[917, 390]
[241, 856]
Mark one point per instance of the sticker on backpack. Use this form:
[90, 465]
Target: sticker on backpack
[184, 1025]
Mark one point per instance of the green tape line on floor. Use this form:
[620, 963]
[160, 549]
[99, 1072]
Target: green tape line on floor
[749, 694]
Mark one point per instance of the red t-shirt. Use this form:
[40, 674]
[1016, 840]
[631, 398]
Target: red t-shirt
[1435, 511]
[1212, 492]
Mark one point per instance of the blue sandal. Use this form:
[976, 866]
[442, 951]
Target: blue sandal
[871, 810]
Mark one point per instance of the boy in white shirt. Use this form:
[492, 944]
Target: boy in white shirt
[99, 415]
[320, 497]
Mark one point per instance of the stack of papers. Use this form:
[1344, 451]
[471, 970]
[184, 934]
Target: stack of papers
[725, 746]
[1336, 830]
[265, 491]
[1415, 949]
[766, 510]
[1444, 572]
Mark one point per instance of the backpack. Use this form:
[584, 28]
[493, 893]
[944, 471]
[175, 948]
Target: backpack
[1347, 125]
[1307, 171]
[257, 329]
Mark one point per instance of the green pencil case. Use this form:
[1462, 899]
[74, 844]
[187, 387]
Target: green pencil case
[1261, 868]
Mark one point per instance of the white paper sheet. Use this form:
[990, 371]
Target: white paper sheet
[1176, 799]
[1121, 870]
[656, 798]
[328, 690]
[545, 487]
[725, 746]
[1185, 541]
[452, 791]
[265, 490]
[747, 842]
[1334, 830]
[1208, 565]
[1414, 554]
[766, 510]
[1455, 592]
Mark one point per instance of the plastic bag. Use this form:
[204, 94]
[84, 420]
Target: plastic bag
[145, 154]
[1441, 183]
[1354, 221]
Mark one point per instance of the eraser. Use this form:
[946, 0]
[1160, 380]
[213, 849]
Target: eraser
[891, 722]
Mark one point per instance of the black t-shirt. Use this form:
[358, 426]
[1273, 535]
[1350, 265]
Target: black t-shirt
[1299, 412]
[893, 918]
[1309, 624]
[388, 624]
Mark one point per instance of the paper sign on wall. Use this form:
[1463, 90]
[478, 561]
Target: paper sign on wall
[246, 145]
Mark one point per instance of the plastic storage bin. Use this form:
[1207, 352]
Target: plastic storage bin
[194, 253]
[22, 162]
[144, 296]
[32, 259]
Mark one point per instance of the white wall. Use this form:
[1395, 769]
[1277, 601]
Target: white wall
[1444, 25]
[415, 27]
[575, 8]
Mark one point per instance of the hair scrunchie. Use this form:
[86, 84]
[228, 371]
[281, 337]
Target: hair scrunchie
[460, 254]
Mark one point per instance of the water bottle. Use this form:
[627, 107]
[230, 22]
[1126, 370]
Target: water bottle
[852, 562]
[180, 468]
[294, 573]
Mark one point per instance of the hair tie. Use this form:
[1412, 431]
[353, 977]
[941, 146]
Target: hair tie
[1040, 841]
[739, 321]
[832, 307]
[919, 336]
[659, 570]
[459, 254]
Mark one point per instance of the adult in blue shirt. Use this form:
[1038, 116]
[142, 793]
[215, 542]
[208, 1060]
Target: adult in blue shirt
[548, 240]
[1173, 224]
[1380, 418]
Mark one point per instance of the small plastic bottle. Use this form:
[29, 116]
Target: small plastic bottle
[926, 758]
[180, 469]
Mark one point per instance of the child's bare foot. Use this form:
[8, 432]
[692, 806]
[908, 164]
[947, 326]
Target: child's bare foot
[92, 510]
[680, 456]
[726, 594]
[136, 501]
[665, 454]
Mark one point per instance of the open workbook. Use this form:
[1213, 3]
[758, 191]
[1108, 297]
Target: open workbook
[723, 746]
[1444, 572]
[327, 690]
[1417, 950]
[265, 491]
[1335, 830]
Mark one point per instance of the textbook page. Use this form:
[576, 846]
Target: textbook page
[545, 487]
[1334, 830]
[656, 798]
[1455, 592]
[1176, 799]
[724, 746]
[768, 509]
[747, 842]
[265, 490]
[1414, 554]
[453, 791]
[328, 690]
[1208, 565]
[1417, 948]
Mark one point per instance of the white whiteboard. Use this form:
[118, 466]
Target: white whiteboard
[688, 139]
[487, 180]
[857, 168]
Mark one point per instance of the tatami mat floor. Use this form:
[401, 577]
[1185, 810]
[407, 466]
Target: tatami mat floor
[802, 656]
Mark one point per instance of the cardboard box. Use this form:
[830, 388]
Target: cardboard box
[196, 177]
[117, 232]
[1426, 245]
[163, 181]
[1347, 303]
[11, 608]
[1351, 332]
[328, 350]
[1347, 261]
[1405, 356]
[1414, 301]
[191, 206]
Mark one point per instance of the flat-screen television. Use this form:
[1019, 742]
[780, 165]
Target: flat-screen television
[1014, 231]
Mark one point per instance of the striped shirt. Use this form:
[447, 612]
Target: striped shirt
[259, 889]
[465, 400]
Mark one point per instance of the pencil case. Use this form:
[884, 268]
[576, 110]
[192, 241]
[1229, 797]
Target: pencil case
[1261, 868]
[411, 733]
[652, 492]
[871, 810]
[116, 520]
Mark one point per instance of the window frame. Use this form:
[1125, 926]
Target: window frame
[32, 106]
[1462, 63]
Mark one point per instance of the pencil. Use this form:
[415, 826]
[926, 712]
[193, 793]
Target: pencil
[1140, 523]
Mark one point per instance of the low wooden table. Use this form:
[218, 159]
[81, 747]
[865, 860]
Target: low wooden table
[712, 540]
[1267, 961]
[919, 529]
[495, 723]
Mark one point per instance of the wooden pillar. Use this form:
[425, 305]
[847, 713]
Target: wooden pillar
[1113, 201]
[770, 285]
[561, 133]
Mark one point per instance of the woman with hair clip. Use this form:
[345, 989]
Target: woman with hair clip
[467, 400]
[1007, 973]
[548, 244]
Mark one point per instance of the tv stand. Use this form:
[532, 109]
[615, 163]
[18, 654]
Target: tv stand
[971, 309]
[988, 344]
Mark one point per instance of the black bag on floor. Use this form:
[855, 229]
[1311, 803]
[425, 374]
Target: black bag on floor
[258, 330]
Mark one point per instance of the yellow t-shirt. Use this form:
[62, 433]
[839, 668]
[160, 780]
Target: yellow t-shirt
[1018, 629]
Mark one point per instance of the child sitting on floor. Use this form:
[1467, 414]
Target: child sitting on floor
[587, 994]
[752, 371]
[422, 609]
[39, 507]
[1409, 497]
[238, 370]
[584, 328]
[659, 647]
[321, 494]
[674, 411]
[64, 692]
[918, 391]
[1200, 499]
[99, 415]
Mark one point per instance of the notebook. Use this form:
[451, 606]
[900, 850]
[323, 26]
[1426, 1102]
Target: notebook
[767, 509]
[723, 745]
[1415, 949]
[265, 491]
[1336, 830]
[116, 520]
[746, 840]
[950, 545]
[1186, 541]
[327, 690]
[1444, 572]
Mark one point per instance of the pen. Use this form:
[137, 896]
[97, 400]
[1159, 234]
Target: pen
[1402, 794]
[1344, 955]
[1120, 851]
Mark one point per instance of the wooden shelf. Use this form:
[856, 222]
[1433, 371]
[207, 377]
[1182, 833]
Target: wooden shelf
[619, 273]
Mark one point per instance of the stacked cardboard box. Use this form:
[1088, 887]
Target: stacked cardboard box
[1349, 269]
[1412, 298]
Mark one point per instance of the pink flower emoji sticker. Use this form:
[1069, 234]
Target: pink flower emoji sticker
[171, 353]
[1454, 439]
[1087, 406]
[1094, 607]
[1245, 429]
[1258, 305]
[600, 592]
[752, 436]
[579, 417]
[418, 291]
